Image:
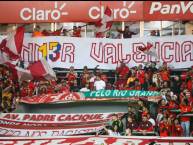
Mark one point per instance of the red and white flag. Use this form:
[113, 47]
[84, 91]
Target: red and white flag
[40, 70]
[149, 49]
[10, 48]
[57, 32]
[104, 24]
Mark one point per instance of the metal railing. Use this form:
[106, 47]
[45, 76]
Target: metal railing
[141, 133]
[184, 115]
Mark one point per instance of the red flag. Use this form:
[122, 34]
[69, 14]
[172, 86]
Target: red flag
[57, 32]
[10, 48]
[149, 49]
[40, 70]
[45, 33]
[104, 25]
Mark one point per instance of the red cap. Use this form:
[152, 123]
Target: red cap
[153, 31]
[192, 67]
[38, 27]
[164, 62]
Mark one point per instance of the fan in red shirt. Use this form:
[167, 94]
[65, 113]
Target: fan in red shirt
[123, 71]
[145, 111]
[145, 125]
[65, 88]
[131, 86]
[25, 91]
[79, 32]
[163, 105]
[140, 74]
[176, 128]
[165, 127]
[119, 84]
[54, 81]
[153, 87]
[71, 75]
[137, 84]
[103, 76]
[183, 94]
[167, 70]
[32, 86]
[173, 104]
[75, 32]
[85, 76]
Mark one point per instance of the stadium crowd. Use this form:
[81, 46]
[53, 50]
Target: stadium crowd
[176, 93]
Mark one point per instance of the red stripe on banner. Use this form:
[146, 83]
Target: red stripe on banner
[47, 128]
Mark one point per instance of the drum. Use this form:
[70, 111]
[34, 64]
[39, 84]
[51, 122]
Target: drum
[157, 78]
[42, 89]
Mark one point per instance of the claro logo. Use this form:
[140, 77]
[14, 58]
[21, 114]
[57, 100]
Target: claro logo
[42, 14]
[123, 13]
[171, 9]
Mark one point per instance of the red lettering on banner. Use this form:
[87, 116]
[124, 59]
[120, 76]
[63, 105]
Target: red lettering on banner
[187, 52]
[83, 131]
[34, 132]
[98, 57]
[14, 116]
[110, 52]
[52, 117]
[68, 118]
[60, 117]
[62, 133]
[138, 56]
[8, 116]
[69, 131]
[100, 116]
[5, 131]
[92, 118]
[177, 52]
[56, 52]
[110, 115]
[47, 118]
[19, 132]
[120, 55]
[85, 119]
[33, 118]
[73, 118]
[55, 132]
[40, 117]
[26, 117]
[11, 132]
[27, 134]
[29, 51]
[68, 50]
[80, 117]
[164, 57]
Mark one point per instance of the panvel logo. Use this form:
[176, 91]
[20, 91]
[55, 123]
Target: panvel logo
[171, 9]
[42, 14]
[43, 49]
[115, 11]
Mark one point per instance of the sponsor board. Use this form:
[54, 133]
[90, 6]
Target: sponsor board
[30, 119]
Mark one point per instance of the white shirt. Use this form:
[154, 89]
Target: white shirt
[152, 121]
[164, 97]
[92, 79]
[100, 85]
[111, 133]
[84, 90]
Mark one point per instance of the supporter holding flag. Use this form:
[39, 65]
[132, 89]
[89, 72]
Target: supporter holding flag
[57, 32]
[132, 125]
[85, 75]
[37, 32]
[99, 84]
[104, 24]
[165, 127]
[176, 128]
[145, 126]
[85, 89]
[127, 33]
[138, 108]
[130, 113]
[185, 121]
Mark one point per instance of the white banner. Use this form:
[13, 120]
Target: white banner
[28, 131]
[54, 119]
[64, 52]
[95, 140]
